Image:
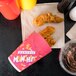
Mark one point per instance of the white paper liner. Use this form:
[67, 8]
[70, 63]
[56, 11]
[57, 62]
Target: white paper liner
[72, 32]
[28, 27]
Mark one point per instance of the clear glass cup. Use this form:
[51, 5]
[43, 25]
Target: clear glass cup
[67, 57]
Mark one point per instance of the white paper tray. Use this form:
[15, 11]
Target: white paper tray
[28, 27]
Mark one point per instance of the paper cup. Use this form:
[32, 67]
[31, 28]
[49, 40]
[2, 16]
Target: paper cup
[30, 51]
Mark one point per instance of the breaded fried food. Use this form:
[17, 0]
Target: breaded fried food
[46, 33]
[50, 40]
[46, 18]
[58, 19]
[49, 30]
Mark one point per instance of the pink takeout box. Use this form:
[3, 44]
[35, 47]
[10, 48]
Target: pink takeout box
[30, 51]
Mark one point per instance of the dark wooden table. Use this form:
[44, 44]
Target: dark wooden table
[10, 39]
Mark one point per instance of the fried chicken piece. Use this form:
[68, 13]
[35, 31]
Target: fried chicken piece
[49, 30]
[39, 21]
[58, 19]
[50, 40]
[46, 18]
[46, 33]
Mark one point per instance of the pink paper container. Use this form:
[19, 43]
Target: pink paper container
[30, 51]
